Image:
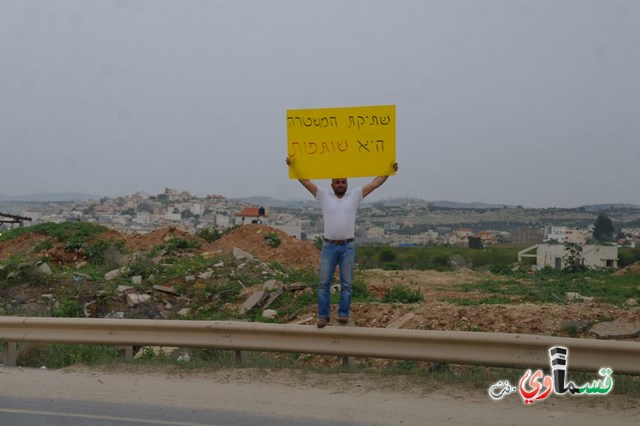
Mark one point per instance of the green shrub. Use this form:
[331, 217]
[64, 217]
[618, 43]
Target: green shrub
[209, 235]
[64, 355]
[402, 294]
[69, 308]
[273, 240]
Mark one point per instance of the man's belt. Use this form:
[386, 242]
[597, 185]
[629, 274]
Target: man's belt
[339, 242]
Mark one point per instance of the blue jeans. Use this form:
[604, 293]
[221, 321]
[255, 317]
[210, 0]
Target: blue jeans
[332, 256]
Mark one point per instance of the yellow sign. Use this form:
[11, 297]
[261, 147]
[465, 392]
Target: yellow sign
[341, 142]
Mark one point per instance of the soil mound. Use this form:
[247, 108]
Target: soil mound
[259, 241]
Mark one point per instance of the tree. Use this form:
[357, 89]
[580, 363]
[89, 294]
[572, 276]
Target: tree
[475, 243]
[603, 230]
[573, 260]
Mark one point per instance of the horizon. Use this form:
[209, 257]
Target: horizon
[57, 197]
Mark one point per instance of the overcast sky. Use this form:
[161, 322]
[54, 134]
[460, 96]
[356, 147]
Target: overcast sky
[533, 103]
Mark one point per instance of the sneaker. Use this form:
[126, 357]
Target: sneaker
[343, 320]
[322, 322]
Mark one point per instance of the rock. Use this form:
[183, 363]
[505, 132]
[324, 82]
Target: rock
[134, 299]
[137, 279]
[219, 265]
[269, 313]
[184, 312]
[43, 268]
[124, 289]
[189, 278]
[113, 274]
[205, 275]
[184, 358]
[166, 289]
[238, 253]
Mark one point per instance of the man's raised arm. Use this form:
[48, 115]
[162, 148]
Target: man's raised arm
[311, 187]
[376, 183]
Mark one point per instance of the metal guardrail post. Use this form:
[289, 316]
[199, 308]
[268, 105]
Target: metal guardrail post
[9, 354]
[239, 357]
[347, 361]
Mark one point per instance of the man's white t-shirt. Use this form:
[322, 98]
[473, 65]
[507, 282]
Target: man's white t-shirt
[339, 213]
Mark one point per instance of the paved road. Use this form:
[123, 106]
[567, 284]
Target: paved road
[79, 397]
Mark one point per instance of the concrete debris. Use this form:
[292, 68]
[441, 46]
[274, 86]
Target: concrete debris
[184, 312]
[573, 296]
[134, 299]
[163, 351]
[269, 313]
[296, 287]
[400, 322]
[184, 358]
[115, 273]
[136, 280]
[166, 289]
[219, 265]
[121, 289]
[273, 296]
[189, 278]
[205, 275]
[270, 285]
[618, 329]
[238, 253]
[257, 299]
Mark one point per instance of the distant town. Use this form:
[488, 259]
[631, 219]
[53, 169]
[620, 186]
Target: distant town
[396, 222]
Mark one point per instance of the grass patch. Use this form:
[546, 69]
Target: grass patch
[550, 287]
[402, 294]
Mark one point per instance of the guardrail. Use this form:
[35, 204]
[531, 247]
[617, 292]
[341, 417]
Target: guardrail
[457, 347]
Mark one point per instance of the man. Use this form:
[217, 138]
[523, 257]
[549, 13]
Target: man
[338, 248]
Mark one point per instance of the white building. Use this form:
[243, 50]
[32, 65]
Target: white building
[555, 256]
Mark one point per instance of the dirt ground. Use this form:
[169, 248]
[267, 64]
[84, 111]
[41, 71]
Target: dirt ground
[435, 313]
